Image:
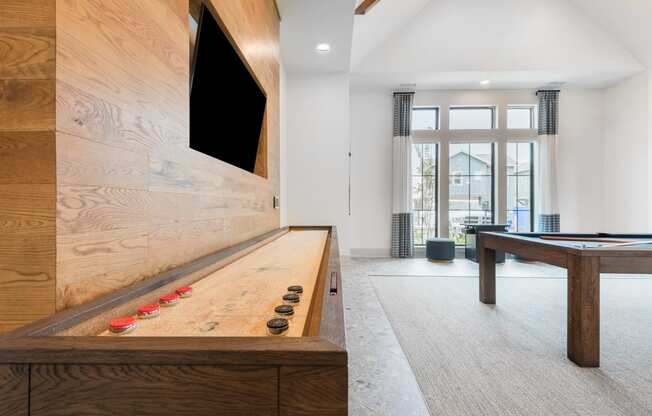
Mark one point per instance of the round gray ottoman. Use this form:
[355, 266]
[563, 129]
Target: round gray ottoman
[440, 249]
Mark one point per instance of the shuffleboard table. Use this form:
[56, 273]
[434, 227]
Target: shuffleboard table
[210, 353]
[584, 256]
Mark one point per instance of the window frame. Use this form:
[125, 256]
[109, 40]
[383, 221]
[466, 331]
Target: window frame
[437, 115]
[437, 176]
[532, 186]
[492, 108]
[533, 115]
[500, 136]
[471, 176]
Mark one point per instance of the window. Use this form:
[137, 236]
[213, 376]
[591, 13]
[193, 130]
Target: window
[472, 118]
[520, 182]
[471, 188]
[521, 117]
[425, 118]
[424, 191]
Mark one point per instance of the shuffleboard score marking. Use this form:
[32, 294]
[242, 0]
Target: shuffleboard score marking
[251, 287]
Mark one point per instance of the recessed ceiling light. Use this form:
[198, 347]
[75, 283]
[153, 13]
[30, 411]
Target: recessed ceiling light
[323, 47]
[485, 82]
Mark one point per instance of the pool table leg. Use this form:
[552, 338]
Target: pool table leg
[583, 338]
[487, 258]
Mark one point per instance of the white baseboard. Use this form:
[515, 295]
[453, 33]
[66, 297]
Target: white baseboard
[419, 252]
[370, 252]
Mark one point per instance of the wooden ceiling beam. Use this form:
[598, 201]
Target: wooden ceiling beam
[365, 6]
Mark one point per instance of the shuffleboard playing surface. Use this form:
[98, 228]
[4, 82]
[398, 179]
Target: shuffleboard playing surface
[238, 299]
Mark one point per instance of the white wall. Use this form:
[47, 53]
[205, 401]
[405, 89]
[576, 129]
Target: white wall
[626, 155]
[283, 145]
[317, 151]
[604, 148]
[649, 127]
[580, 161]
[371, 174]
[580, 155]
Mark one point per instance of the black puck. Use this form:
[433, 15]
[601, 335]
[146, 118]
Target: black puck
[277, 325]
[285, 310]
[295, 289]
[291, 298]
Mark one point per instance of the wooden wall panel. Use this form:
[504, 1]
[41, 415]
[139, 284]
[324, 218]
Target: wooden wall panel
[94, 118]
[27, 53]
[133, 198]
[26, 105]
[27, 162]
[153, 390]
[27, 13]
[14, 390]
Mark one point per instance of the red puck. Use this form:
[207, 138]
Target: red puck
[122, 325]
[169, 300]
[149, 311]
[184, 292]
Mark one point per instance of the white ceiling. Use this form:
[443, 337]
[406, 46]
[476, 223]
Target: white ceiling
[306, 23]
[630, 21]
[454, 44]
[383, 20]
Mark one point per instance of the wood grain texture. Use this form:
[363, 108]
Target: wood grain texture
[365, 6]
[27, 13]
[27, 157]
[91, 318]
[124, 166]
[14, 390]
[83, 162]
[487, 281]
[147, 390]
[327, 314]
[26, 105]
[313, 391]
[238, 299]
[98, 263]
[27, 253]
[583, 334]
[584, 266]
[27, 53]
[27, 168]
[90, 375]
[277, 351]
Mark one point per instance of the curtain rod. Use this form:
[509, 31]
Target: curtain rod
[538, 91]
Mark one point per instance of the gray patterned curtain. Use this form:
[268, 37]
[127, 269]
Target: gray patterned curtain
[402, 221]
[549, 219]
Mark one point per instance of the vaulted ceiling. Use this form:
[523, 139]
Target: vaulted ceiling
[458, 43]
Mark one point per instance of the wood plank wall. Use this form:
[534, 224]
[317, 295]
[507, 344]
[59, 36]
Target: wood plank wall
[99, 186]
[133, 198]
[27, 162]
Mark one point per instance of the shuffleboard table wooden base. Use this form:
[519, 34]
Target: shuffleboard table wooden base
[584, 256]
[175, 364]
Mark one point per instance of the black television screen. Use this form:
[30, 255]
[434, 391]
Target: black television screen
[227, 105]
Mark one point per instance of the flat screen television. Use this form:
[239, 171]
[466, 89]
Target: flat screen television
[227, 104]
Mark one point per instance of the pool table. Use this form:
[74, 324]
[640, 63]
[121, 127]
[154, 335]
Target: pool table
[584, 256]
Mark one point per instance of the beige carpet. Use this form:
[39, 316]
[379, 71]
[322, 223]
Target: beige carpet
[510, 359]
